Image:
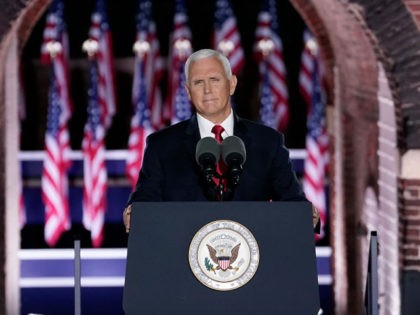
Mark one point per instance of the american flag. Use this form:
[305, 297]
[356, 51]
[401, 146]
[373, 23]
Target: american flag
[306, 68]
[100, 33]
[268, 50]
[100, 110]
[266, 111]
[226, 36]
[178, 106]
[57, 142]
[95, 173]
[147, 73]
[316, 162]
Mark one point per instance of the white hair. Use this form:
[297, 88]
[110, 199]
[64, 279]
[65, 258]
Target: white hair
[206, 53]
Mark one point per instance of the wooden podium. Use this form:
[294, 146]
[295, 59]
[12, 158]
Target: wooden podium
[159, 279]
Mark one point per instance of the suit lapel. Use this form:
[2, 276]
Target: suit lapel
[191, 137]
[240, 130]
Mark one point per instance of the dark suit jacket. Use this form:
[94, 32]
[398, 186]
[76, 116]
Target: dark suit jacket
[171, 173]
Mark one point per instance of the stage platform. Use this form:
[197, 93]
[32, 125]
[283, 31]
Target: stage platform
[47, 280]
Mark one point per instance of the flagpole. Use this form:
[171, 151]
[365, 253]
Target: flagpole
[77, 278]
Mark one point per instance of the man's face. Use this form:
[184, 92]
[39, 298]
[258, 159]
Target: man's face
[209, 89]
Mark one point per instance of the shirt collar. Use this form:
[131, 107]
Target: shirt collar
[205, 126]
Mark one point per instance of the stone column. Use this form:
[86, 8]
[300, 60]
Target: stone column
[9, 174]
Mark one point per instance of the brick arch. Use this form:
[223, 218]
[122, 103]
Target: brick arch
[391, 41]
[352, 75]
[16, 23]
[335, 48]
[351, 57]
[399, 42]
[399, 39]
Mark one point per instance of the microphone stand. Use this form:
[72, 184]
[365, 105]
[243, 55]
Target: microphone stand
[225, 192]
[232, 177]
[220, 187]
[220, 191]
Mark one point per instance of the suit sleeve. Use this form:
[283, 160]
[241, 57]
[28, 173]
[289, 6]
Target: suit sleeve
[285, 184]
[149, 183]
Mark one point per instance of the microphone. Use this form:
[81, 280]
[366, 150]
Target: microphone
[234, 156]
[207, 153]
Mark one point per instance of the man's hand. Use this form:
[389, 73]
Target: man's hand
[315, 216]
[126, 218]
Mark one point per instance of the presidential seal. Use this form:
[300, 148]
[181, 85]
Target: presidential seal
[224, 255]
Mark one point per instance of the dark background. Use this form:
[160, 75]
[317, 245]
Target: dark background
[122, 24]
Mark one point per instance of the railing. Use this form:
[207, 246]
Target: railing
[119, 188]
[371, 293]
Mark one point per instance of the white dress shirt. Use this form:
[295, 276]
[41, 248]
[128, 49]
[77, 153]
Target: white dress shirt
[205, 126]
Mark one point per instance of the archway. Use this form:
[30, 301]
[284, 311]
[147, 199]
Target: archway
[11, 47]
[352, 76]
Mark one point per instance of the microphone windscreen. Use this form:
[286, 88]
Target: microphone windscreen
[207, 147]
[233, 147]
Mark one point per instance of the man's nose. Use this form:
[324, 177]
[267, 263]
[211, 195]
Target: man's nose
[207, 87]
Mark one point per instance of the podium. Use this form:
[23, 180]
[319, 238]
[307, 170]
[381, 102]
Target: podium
[160, 281]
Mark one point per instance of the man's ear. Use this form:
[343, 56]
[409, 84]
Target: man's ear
[188, 91]
[233, 82]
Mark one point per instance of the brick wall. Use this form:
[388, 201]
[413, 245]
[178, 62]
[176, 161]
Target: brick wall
[414, 8]
[409, 197]
[350, 33]
[15, 25]
[409, 184]
[409, 194]
[349, 49]
[398, 36]
[387, 224]
[9, 12]
[370, 152]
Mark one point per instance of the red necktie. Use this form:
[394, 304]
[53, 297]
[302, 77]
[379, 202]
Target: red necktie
[221, 166]
[217, 130]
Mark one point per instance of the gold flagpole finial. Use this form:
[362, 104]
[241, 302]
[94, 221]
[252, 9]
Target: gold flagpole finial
[226, 46]
[266, 46]
[91, 47]
[312, 46]
[141, 48]
[54, 48]
[182, 47]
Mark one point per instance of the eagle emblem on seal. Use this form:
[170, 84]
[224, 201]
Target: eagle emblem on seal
[222, 258]
[224, 255]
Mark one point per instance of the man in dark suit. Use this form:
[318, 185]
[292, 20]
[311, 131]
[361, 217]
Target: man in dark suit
[170, 171]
